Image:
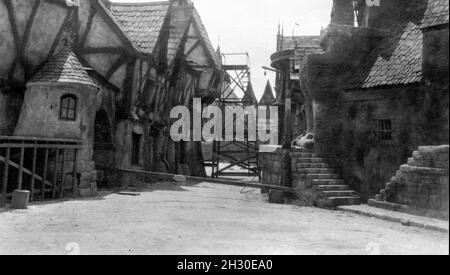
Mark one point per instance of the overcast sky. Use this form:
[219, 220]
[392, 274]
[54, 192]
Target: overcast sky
[251, 26]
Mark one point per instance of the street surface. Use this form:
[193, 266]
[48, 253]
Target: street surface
[202, 219]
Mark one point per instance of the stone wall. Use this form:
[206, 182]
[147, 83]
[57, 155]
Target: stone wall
[418, 117]
[423, 183]
[40, 117]
[347, 133]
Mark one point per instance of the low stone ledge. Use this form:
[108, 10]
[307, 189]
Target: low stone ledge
[270, 149]
[405, 219]
[433, 150]
[423, 170]
[406, 209]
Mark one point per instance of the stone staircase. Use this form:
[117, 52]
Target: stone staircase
[420, 187]
[313, 177]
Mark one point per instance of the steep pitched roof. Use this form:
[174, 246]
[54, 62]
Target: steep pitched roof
[204, 35]
[101, 7]
[268, 98]
[219, 56]
[398, 59]
[63, 67]
[142, 22]
[180, 17]
[437, 13]
[249, 96]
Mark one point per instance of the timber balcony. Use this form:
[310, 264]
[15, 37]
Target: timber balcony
[45, 167]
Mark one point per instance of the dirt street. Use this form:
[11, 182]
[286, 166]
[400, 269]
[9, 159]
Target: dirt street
[202, 219]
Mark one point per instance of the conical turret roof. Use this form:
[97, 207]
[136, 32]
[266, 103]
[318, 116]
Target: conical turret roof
[249, 96]
[268, 98]
[63, 67]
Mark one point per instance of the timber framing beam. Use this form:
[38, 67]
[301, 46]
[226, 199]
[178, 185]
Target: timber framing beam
[20, 58]
[116, 65]
[194, 47]
[102, 50]
[92, 13]
[60, 32]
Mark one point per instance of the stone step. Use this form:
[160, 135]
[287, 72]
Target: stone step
[333, 202]
[312, 165]
[314, 170]
[308, 160]
[317, 182]
[301, 150]
[323, 176]
[304, 155]
[337, 193]
[331, 187]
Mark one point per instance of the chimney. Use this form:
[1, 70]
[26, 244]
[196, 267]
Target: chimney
[343, 12]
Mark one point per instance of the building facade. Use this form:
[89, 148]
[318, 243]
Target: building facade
[379, 90]
[288, 60]
[107, 74]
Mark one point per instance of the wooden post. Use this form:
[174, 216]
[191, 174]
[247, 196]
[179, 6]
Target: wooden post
[33, 173]
[75, 168]
[55, 174]
[61, 192]
[20, 176]
[5, 177]
[288, 119]
[44, 176]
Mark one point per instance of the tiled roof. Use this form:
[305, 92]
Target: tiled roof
[268, 98]
[437, 13]
[142, 22]
[180, 17]
[63, 67]
[398, 59]
[179, 22]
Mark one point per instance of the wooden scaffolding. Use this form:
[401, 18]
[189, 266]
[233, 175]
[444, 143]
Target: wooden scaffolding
[236, 90]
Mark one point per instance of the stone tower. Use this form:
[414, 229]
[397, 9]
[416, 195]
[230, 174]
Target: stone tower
[343, 12]
[60, 102]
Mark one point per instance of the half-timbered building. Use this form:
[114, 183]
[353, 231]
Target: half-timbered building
[107, 75]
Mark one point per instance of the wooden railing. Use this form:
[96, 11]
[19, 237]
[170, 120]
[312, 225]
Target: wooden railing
[28, 163]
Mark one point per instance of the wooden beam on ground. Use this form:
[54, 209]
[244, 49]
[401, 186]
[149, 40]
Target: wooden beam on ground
[181, 178]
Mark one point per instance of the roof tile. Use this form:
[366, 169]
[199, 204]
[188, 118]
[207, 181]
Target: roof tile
[63, 67]
[142, 22]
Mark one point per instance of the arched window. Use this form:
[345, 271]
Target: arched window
[68, 107]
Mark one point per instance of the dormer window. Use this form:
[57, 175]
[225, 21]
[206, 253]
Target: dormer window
[68, 108]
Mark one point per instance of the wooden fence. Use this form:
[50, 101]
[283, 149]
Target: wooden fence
[43, 166]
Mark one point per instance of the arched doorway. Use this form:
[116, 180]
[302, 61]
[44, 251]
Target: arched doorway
[103, 142]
